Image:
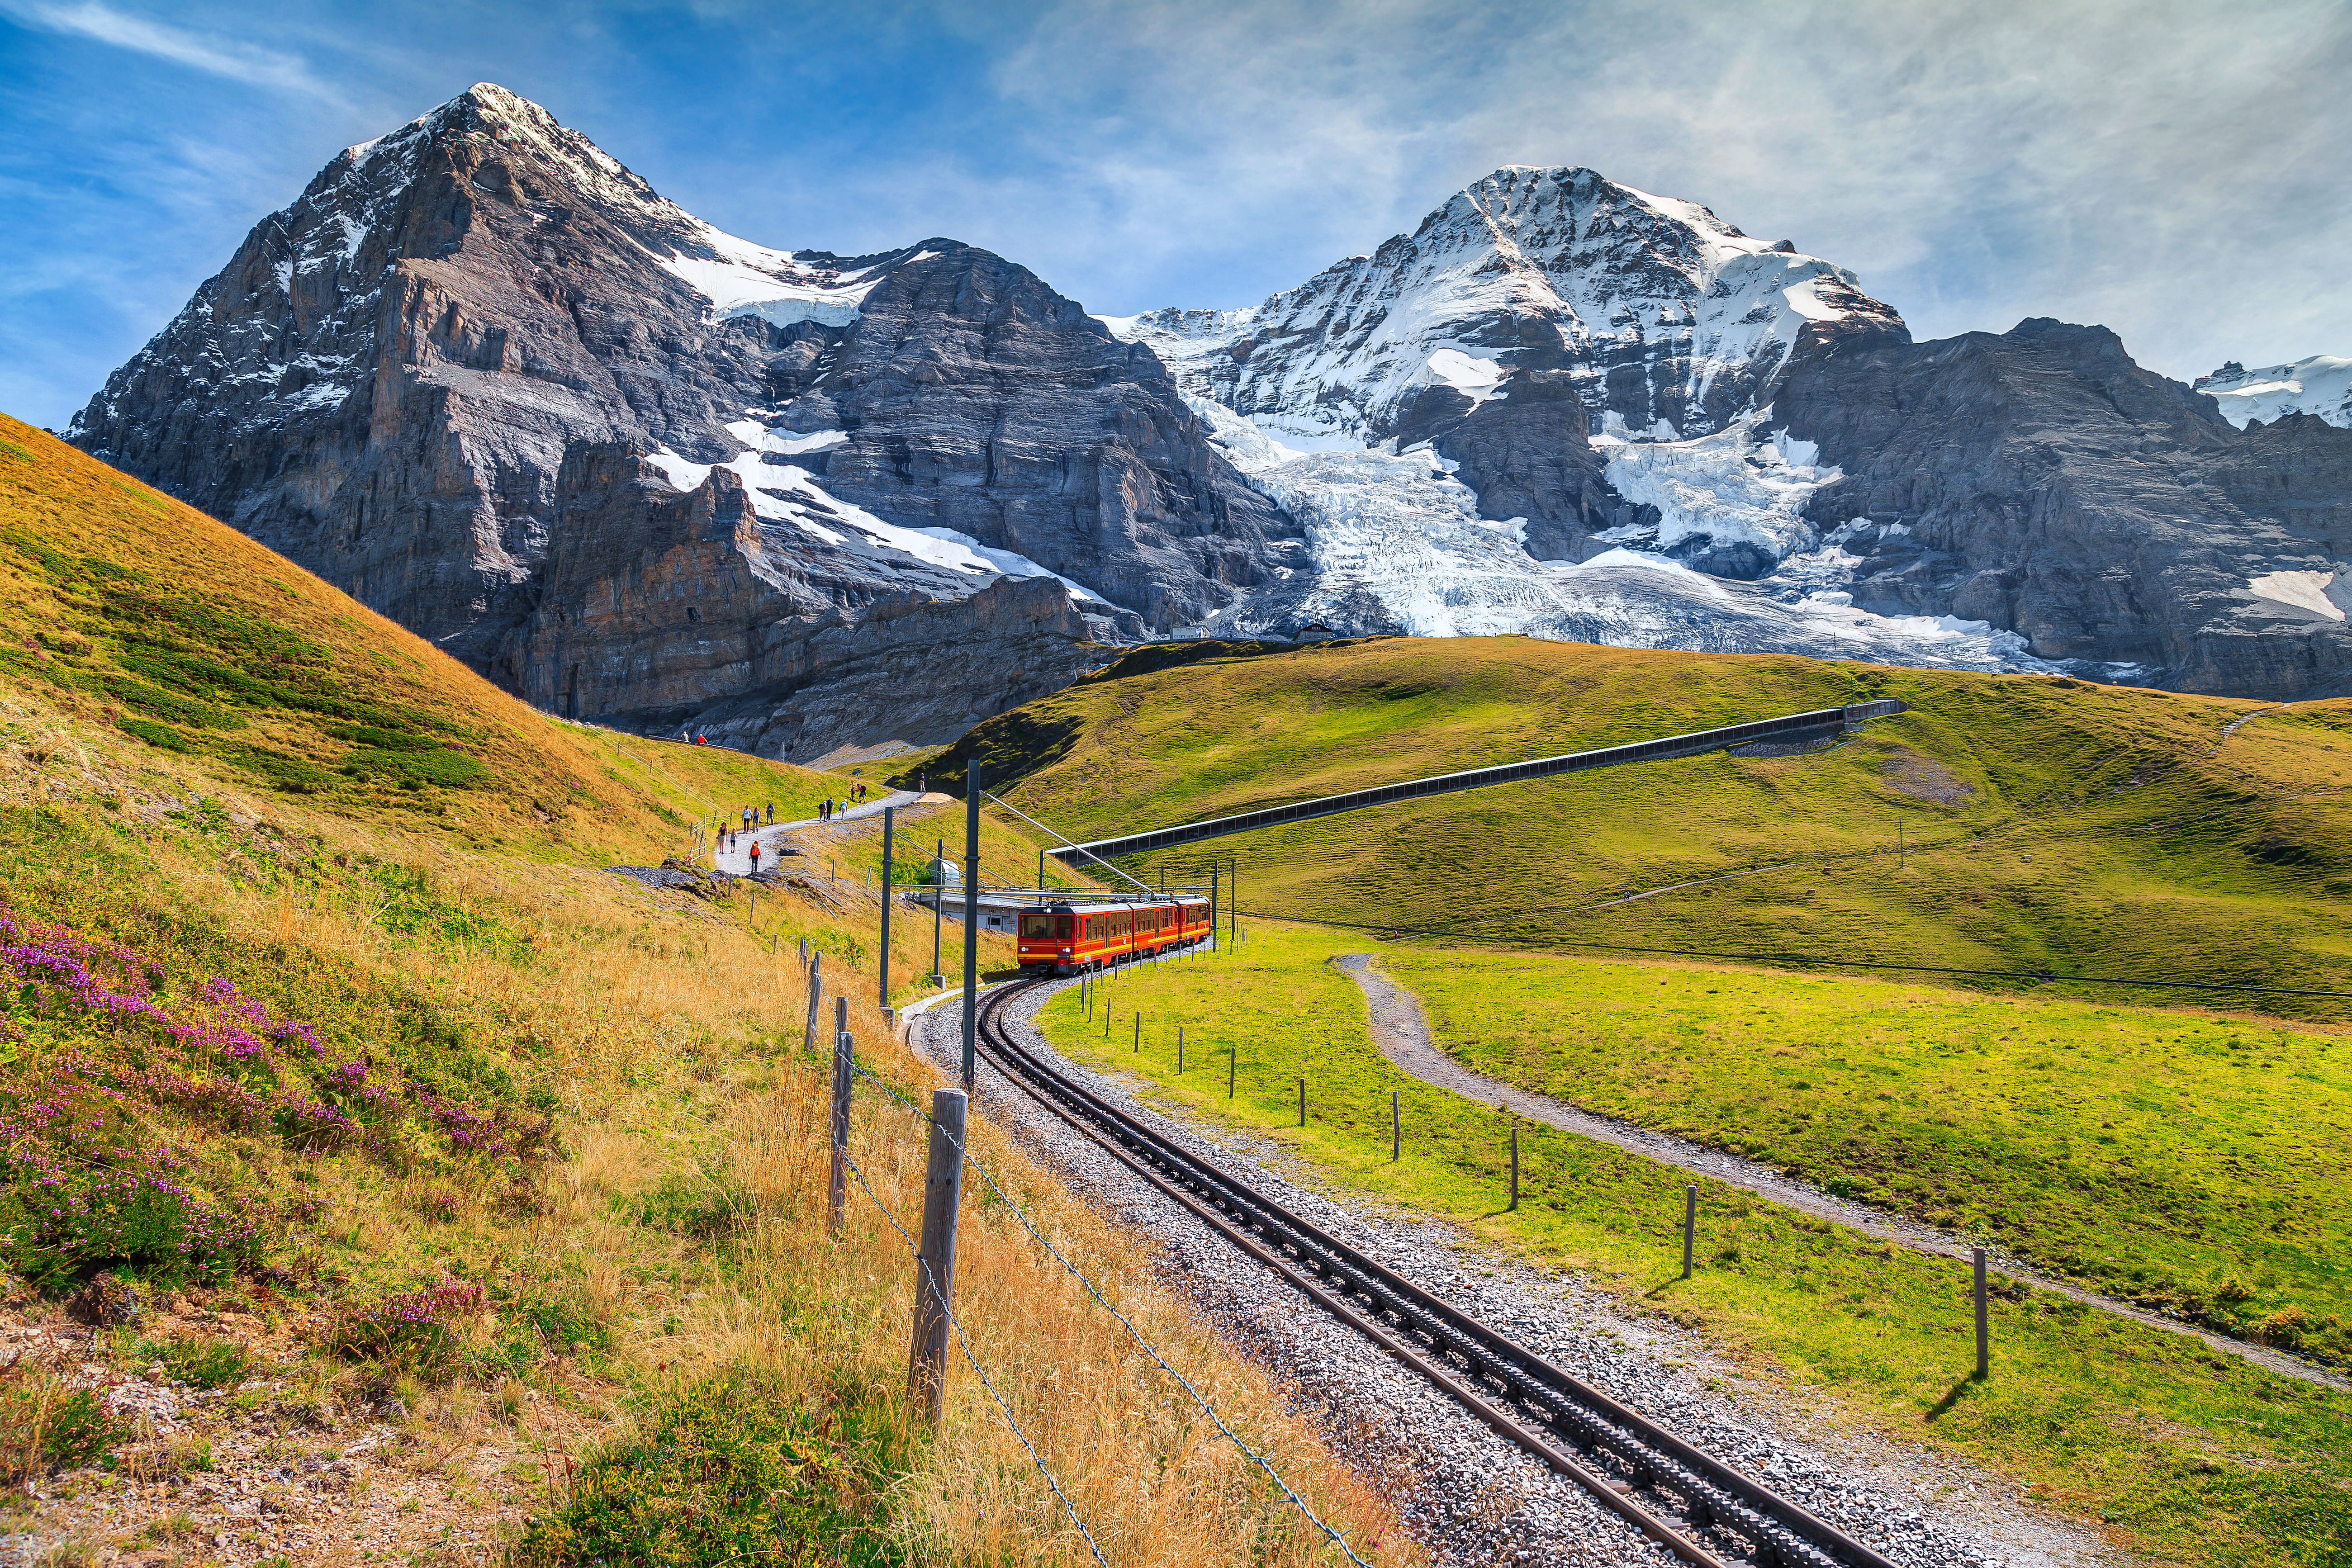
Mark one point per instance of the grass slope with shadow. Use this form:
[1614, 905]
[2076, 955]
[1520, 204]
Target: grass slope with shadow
[373, 1161]
[2177, 1454]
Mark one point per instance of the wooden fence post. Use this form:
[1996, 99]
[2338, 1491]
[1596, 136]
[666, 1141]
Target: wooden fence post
[837, 1189]
[927, 1361]
[1515, 1165]
[1396, 1129]
[1302, 1102]
[1690, 1226]
[1984, 1323]
[816, 995]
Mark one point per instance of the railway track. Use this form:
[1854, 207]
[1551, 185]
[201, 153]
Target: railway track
[1701, 1509]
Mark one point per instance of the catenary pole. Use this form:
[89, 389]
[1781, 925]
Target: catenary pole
[970, 922]
[889, 818]
[939, 908]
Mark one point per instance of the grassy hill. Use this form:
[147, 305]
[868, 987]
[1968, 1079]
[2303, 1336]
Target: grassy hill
[370, 1154]
[2144, 1151]
[2181, 1149]
[2006, 822]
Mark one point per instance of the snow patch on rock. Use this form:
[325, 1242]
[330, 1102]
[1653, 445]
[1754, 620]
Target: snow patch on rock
[2321, 385]
[786, 495]
[2303, 590]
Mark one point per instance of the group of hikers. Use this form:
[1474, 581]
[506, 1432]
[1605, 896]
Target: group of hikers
[727, 836]
[826, 810]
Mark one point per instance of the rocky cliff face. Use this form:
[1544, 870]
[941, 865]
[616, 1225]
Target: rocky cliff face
[647, 473]
[1688, 438]
[2041, 481]
[487, 380]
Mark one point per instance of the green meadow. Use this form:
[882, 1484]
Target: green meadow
[1991, 1122]
[2016, 823]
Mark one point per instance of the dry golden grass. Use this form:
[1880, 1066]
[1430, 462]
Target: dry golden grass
[669, 1032]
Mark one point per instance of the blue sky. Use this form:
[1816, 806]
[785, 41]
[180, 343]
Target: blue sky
[2176, 172]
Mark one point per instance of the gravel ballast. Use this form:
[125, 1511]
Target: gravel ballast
[1469, 1495]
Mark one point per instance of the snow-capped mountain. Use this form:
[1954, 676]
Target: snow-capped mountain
[487, 379]
[642, 471]
[1656, 312]
[1628, 341]
[1568, 408]
[2321, 385]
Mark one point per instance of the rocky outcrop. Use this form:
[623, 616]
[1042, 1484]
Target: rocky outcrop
[487, 381]
[2041, 481]
[649, 474]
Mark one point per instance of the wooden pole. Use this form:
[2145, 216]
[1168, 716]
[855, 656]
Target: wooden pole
[927, 1360]
[1984, 1323]
[816, 997]
[1515, 1166]
[1302, 1102]
[1396, 1129]
[1139, 1031]
[1690, 1226]
[1233, 1056]
[1179, 1047]
[837, 1189]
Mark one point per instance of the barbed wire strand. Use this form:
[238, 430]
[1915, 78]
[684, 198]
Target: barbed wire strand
[931, 1283]
[1148, 1349]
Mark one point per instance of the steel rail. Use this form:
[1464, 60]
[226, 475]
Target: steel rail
[1820, 724]
[1572, 1427]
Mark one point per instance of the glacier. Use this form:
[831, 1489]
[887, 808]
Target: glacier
[1672, 326]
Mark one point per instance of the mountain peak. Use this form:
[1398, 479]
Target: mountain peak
[1529, 269]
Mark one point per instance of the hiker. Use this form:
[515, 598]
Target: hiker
[772, 811]
[755, 856]
[922, 783]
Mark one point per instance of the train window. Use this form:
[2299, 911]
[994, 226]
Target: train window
[1037, 925]
[1062, 926]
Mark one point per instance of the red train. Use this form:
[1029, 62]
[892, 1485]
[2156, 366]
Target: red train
[1063, 938]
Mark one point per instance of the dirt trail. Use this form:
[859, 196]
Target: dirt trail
[1400, 1030]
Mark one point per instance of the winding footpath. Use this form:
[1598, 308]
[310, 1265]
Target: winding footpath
[1401, 1031]
[737, 862]
[1471, 1499]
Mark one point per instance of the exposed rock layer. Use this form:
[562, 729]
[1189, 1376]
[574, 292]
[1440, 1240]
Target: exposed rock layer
[433, 380]
[2044, 482]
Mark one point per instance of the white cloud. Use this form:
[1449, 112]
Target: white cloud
[229, 58]
[2170, 169]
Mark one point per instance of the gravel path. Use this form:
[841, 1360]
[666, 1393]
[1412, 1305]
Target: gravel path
[737, 862]
[1472, 1498]
[1400, 1030]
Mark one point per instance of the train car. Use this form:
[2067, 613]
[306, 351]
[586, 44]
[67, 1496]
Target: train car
[1066, 938]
